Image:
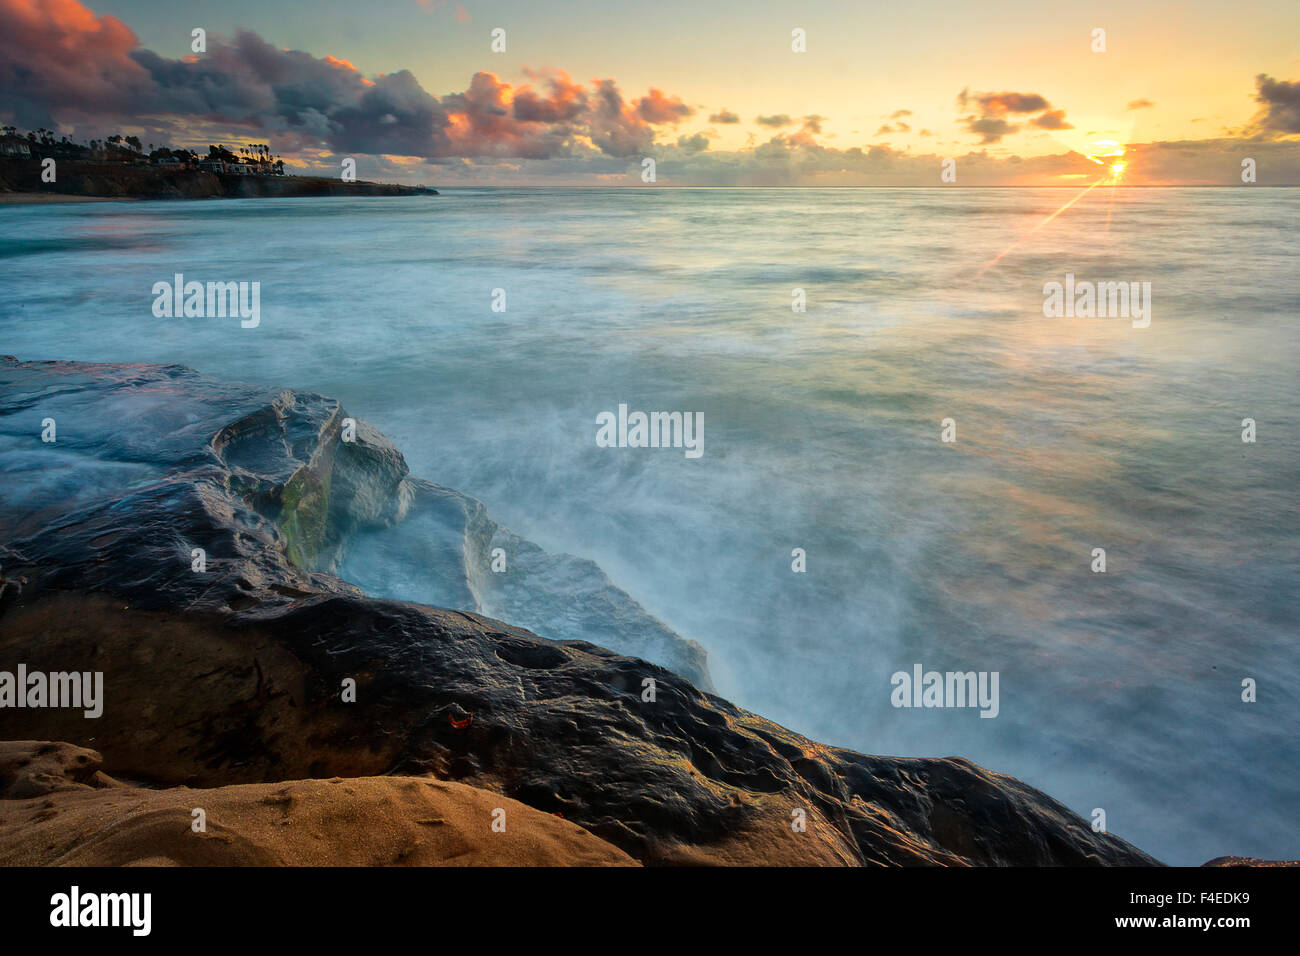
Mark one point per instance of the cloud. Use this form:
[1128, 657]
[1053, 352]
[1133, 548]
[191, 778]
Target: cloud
[990, 129]
[693, 144]
[791, 159]
[62, 64]
[654, 107]
[58, 51]
[564, 102]
[999, 104]
[1052, 119]
[462, 15]
[1279, 105]
[989, 121]
[1141, 104]
[482, 122]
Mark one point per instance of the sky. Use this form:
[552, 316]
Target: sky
[1016, 93]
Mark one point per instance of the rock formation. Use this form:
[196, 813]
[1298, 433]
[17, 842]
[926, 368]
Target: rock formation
[48, 817]
[236, 674]
[119, 181]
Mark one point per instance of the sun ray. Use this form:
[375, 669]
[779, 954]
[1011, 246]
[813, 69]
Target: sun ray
[1104, 152]
[994, 261]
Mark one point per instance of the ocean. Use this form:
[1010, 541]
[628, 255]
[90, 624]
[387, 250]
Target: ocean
[822, 430]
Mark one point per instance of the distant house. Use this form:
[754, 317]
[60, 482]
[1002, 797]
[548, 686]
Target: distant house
[14, 146]
[169, 161]
[212, 166]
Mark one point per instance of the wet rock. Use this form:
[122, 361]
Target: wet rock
[152, 462]
[1248, 861]
[245, 673]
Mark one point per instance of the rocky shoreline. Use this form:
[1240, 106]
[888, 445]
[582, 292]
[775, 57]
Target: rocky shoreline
[237, 675]
[116, 181]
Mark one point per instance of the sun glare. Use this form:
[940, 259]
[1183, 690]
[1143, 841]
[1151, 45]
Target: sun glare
[1109, 153]
[1103, 149]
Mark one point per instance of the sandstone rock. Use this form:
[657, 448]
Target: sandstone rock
[366, 821]
[33, 768]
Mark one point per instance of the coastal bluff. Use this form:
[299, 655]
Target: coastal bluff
[236, 675]
[118, 181]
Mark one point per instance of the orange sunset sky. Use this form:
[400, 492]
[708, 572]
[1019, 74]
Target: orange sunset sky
[716, 92]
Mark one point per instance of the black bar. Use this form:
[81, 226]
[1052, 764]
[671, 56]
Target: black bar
[380, 907]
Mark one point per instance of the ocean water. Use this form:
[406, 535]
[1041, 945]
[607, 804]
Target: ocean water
[1119, 690]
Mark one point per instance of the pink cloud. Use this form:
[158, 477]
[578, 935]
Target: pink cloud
[60, 63]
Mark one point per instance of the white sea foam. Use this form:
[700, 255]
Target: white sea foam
[1118, 690]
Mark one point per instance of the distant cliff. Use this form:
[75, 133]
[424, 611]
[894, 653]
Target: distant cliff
[117, 181]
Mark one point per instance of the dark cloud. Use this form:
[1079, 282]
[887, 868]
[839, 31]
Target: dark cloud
[999, 104]
[693, 144]
[775, 120]
[793, 160]
[616, 127]
[61, 64]
[724, 116]
[61, 53]
[990, 129]
[1279, 105]
[1052, 119]
[989, 121]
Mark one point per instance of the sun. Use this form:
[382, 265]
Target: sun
[1100, 150]
[1109, 153]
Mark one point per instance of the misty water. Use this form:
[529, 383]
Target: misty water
[1119, 690]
